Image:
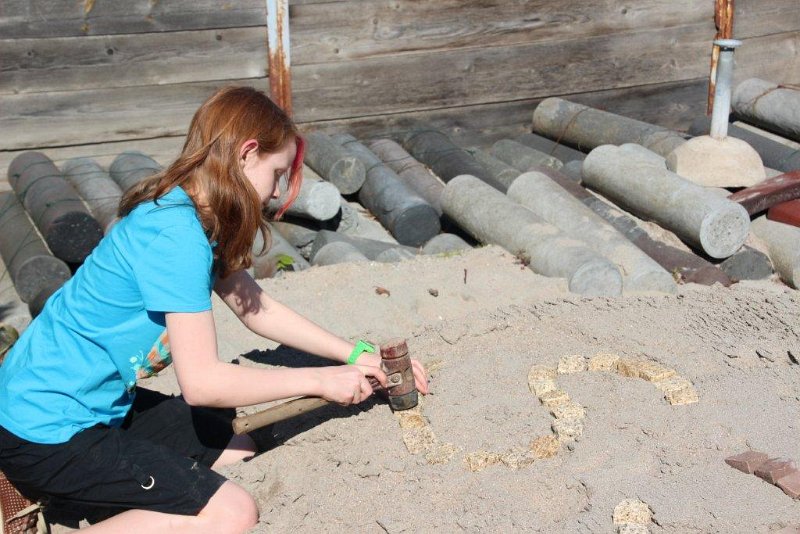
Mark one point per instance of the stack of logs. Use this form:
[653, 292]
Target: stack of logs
[561, 211]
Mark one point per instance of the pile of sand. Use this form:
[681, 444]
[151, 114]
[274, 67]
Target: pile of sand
[462, 463]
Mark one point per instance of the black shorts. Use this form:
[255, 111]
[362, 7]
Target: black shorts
[158, 460]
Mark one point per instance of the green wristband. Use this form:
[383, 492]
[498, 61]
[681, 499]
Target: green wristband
[360, 348]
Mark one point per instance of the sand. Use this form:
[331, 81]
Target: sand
[621, 457]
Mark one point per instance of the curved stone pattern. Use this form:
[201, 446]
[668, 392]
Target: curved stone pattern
[568, 415]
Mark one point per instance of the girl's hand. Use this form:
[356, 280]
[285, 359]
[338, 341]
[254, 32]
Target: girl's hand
[348, 384]
[420, 376]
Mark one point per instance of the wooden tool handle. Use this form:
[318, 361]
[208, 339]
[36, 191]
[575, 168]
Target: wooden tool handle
[248, 423]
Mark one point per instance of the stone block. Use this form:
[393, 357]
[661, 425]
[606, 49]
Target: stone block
[571, 364]
[517, 458]
[628, 367]
[632, 528]
[554, 398]
[419, 440]
[480, 460]
[775, 469]
[674, 383]
[545, 447]
[654, 372]
[644, 369]
[747, 462]
[541, 372]
[568, 429]
[441, 453]
[540, 387]
[682, 396]
[568, 410]
[412, 420]
[632, 511]
[790, 484]
[603, 362]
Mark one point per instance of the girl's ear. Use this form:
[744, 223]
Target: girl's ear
[248, 147]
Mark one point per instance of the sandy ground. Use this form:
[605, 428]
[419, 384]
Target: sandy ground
[356, 470]
[348, 469]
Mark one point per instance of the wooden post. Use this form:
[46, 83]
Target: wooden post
[723, 19]
[279, 48]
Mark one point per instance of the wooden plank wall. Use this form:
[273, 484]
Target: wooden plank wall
[86, 77]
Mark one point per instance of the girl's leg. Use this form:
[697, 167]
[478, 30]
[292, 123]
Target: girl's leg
[230, 509]
[239, 448]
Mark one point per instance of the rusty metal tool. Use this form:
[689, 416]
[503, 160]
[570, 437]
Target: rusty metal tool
[401, 391]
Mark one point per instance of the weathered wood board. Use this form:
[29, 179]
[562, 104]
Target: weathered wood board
[91, 75]
[434, 81]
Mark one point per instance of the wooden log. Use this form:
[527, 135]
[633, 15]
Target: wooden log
[30, 265]
[781, 240]
[334, 163]
[773, 106]
[370, 248]
[544, 197]
[747, 264]
[683, 265]
[503, 173]
[715, 225]
[407, 216]
[69, 230]
[298, 233]
[768, 193]
[317, 200]
[130, 168]
[523, 157]
[101, 193]
[586, 128]
[281, 256]
[550, 147]
[492, 217]
[445, 158]
[411, 171]
[337, 252]
[445, 244]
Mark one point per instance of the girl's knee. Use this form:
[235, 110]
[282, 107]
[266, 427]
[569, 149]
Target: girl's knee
[232, 508]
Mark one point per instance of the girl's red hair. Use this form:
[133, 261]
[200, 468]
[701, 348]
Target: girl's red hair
[209, 167]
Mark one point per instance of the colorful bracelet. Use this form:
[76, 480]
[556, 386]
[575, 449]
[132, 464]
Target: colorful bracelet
[360, 348]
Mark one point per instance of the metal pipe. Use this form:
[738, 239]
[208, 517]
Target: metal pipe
[723, 20]
[280, 78]
[722, 92]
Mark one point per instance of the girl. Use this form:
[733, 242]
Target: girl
[77, 432]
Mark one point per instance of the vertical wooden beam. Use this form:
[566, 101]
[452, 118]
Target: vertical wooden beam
[723, 20]
[280, 79]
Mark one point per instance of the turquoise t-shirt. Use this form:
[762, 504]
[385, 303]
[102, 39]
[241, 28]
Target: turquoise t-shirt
[77, 363]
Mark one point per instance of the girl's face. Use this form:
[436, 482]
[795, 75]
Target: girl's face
[264, 170]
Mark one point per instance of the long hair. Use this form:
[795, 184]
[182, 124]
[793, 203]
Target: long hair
[210, 163]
